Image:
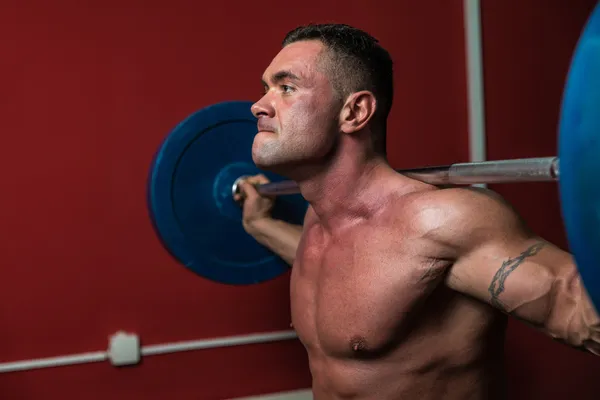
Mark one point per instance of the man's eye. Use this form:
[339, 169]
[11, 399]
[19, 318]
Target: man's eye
[286, 88]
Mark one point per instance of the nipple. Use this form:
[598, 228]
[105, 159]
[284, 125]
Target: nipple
[358, 344]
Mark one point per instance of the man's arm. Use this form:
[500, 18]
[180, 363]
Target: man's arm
[280, 237]
[497, 259]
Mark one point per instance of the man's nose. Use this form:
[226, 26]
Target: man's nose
[263, 108]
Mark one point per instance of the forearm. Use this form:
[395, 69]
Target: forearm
[279, 236]
[573, 318]
[586, 333]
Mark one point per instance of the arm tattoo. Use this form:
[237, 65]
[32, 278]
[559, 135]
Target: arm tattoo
[508, 266]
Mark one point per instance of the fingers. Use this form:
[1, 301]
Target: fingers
[257, 179]
[247, 188]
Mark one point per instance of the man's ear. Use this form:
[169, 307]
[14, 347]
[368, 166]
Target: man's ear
[357, 111]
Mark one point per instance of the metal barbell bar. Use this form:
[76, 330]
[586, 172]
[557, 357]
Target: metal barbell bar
[540, 169]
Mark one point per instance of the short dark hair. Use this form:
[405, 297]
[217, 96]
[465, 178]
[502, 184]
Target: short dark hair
[358, 62]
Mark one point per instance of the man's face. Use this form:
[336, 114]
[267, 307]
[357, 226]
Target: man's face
[298, 114]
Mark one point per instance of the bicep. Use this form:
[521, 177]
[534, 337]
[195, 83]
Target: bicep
[517, 275]
[495, 258]
[499, 260]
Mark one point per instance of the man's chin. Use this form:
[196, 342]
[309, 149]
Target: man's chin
[277, 167]
[265, 165]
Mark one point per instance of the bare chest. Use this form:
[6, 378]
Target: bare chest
[354, 296]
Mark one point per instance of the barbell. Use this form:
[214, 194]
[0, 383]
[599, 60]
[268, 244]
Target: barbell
[195, 171]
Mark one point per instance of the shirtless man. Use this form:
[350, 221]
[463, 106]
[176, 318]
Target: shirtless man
[399, 289]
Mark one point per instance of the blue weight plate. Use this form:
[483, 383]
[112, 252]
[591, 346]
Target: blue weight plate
[579, 154]
[190, 201]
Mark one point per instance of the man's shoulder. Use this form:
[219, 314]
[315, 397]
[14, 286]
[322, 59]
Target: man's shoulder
[471, 196]
[455, 214]
[458, 199]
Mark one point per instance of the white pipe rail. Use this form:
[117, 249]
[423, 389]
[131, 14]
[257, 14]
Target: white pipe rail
[151, 350]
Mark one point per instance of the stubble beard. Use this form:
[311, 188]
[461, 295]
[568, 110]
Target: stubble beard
[286, 160]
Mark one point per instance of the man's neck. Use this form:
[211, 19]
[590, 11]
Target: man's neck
[346, 189]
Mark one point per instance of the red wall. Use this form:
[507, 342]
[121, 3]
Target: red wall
[527, 51]
[88, 93]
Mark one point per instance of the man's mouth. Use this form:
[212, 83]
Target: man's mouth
[267, 131]
[265, 128]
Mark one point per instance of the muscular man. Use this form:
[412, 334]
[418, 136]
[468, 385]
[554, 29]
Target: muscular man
[399, 290]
